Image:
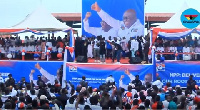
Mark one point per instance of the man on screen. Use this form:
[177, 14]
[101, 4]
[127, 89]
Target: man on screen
[105, 30]
[129, 27]
[46, 76]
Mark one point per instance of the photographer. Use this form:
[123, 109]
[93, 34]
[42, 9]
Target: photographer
[22, 83]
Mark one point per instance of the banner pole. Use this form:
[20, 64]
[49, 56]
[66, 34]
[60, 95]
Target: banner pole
[64, 68]
[154, 63]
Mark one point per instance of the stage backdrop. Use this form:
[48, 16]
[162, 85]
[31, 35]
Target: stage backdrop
[178, 72]
[114, 8]
[97, 73]
[20, 69]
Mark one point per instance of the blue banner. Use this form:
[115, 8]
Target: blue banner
[178, 72]
[114, 8]
[20, 69]
[96, 74]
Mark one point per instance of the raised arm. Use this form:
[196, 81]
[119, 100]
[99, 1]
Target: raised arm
[121, 83]
[93, 30]
[31, 77]
[127, 72]
[116, 24]
[50, 77]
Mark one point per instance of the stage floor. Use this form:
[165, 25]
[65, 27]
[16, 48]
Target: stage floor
[90, 60]
[109, 61]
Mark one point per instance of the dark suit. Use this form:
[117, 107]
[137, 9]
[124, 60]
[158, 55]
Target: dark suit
[10, 82]
[63, 99]
[83, 83]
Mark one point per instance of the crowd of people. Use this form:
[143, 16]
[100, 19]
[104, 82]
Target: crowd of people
[98, 47]
[184, 45]
[101, 48]
[135, 95]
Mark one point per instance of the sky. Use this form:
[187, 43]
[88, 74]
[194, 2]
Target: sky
[14, 11]
[169, 6]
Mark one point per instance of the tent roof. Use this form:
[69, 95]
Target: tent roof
[41, 20]
[174, 22]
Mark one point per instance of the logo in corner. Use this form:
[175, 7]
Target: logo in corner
[72, 68]
[190, 18]
[160, 66]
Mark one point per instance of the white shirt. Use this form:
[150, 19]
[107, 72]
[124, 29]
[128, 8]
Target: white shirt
[50, 77]
[165, 104]
[49, 44]
[160, 49]
[173, 49]
[2, 50]
[33, 96]
[186, 49]
[11, 49]
[60, 50]
[98, 31]
[158, 83]
[134, 45]
[54, 49]
[24, 48]
[1, 80]
[95, 107]
[110, 79]
[137, 29]
[95, 44]
[126, 86]
[30, 48]
[13, 93]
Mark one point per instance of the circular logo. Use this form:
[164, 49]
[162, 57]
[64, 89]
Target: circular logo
[190, 18]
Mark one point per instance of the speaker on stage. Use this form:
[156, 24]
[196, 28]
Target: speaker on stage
[81, 59]
[135, 60]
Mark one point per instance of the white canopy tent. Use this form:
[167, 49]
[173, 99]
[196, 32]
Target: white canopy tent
[41, 20]
[173, 28]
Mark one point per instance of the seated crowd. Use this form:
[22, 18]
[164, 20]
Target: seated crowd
[98, 47]
[184, 48]
[136, 95]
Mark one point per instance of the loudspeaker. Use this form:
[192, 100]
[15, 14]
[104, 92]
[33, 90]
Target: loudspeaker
[135, 60]
[81, 59]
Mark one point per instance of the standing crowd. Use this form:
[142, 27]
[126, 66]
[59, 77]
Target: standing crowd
[188, 46]
[99, 48]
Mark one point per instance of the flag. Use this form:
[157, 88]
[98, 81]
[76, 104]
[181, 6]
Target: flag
[71, 44]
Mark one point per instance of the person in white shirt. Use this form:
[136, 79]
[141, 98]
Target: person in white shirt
[122, 76]
[197, 52]
[134, 47]
[105, 30]
[46, 77]
[129, 27]
[90, 49]
[1, 79]
[97, 49]
[172, 49]
[11, 50]
[110, 79]
[166, 103]
[159, 49]
[186, 49]
[49, 43]
[158, 83]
